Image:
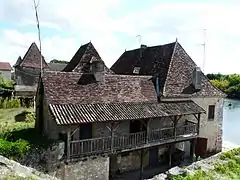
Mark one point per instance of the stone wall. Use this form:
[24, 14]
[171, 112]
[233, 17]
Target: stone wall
[128, 161]
[91, 169]
[6, 75]
[211, 129]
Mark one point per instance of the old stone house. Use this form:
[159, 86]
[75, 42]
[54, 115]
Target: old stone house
[5, 70]
[120, 116]
[27, 71]
[180, 79]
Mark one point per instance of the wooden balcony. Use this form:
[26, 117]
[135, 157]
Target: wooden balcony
[109, 145]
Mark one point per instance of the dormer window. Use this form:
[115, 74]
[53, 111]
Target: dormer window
[136, 70]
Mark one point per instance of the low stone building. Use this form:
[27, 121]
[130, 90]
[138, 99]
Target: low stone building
[121, 117]
[5, 70]
[180, 79]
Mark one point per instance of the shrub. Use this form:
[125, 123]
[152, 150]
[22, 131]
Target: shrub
[9, 103]
[14, 149]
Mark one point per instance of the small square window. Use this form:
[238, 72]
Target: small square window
[211, 112]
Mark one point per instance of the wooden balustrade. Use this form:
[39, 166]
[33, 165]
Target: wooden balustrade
[101, 145]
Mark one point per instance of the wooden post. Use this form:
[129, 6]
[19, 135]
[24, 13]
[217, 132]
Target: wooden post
[175, 126]
[68, 144]
[141, 164]
[192, 148]
[112, 137]
[170, 155]
[198, 123]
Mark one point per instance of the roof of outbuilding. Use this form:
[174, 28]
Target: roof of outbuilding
[65, 88]
[81, 60]
[5, 66]
[66, 114]
[173, 65]
[32, 58]
[57, 66]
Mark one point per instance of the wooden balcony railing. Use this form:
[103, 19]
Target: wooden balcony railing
[110, 144]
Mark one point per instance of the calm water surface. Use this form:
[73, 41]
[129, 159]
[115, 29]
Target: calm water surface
[231, 122]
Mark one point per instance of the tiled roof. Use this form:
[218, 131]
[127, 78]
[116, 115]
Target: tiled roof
[173, 66]
[19, 60]
[5, 66]
[81, 60]
[57, 66]
[66, 114]
[32, 58]
[64, 87]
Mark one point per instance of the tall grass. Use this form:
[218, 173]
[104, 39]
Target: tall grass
[9, 103]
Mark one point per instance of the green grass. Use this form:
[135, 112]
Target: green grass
[17, 132]
[227, 168]
[14, 177]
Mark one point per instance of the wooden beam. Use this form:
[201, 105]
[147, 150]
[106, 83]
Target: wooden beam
[192, 148]
[141, 163]
[198, 123]
[68, 144]
[170, 155]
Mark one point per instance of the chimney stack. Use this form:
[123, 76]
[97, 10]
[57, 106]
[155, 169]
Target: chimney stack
[98, 69]
[197, 78]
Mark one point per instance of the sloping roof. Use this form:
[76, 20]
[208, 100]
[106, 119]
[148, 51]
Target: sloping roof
[57, 66]
[32, 58]
[81, 60]
[19, 60]
[63, 88]
[5, 66]
[173, 66]
[66, 114]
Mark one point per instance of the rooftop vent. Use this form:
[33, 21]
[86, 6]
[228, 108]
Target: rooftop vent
[143, 46]
[197, 78]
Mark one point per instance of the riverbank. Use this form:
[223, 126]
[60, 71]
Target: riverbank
[224, 166]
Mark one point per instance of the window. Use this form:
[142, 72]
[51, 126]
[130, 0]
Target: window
[211, 112]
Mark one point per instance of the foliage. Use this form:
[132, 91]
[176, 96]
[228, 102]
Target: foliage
[14, 149]
[59, 61]
[228, 170]
[230, 84]
[6, 84]
[9, 103]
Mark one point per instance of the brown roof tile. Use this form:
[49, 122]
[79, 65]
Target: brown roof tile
[32, 58]
[81, 60]
[5, 66]
[173, 66]
[63, 87]
[66, 114]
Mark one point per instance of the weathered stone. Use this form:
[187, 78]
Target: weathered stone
[176, 171]
[13, 168]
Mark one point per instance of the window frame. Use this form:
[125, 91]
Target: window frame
[211, 112]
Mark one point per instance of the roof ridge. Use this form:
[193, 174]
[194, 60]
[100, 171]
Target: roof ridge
[150, 47]
[170, 63]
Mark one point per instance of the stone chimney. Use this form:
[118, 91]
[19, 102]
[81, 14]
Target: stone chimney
[197, 78]
[98, 69]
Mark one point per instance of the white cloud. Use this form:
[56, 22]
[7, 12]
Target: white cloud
[83, 21]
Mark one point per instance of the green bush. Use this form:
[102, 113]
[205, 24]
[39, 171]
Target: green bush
[14, 149]
[11, 103]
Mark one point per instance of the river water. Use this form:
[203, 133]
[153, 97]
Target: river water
[231, 123]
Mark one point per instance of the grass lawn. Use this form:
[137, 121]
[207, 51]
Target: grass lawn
[17, 132]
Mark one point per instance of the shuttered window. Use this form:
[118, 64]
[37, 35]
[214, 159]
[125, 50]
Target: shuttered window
[211, 112]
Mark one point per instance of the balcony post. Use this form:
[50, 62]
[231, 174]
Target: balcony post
[68, 144]
[198, 123]
[141, 164]
[175, 120]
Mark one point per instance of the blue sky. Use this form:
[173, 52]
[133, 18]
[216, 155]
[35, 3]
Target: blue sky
[112, 26]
